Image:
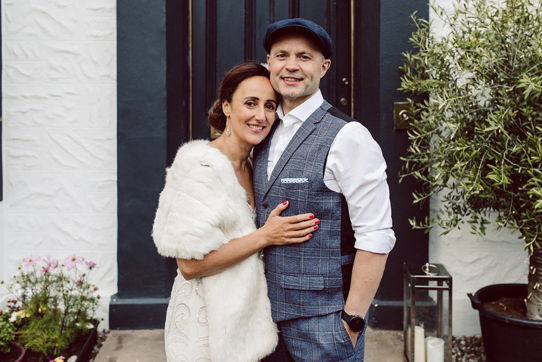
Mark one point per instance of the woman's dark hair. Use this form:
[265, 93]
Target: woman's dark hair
[230, 82]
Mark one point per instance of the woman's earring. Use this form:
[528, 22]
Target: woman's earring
[227, 128]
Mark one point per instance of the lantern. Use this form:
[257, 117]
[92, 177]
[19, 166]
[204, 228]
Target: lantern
[427, 313]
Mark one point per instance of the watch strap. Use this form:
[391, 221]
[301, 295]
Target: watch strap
[348, 319]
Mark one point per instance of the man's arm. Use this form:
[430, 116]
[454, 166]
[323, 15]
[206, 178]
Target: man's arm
[366, 276]
[357, 169]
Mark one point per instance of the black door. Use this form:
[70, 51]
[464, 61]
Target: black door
[171, 57]
[368, 38]
[227, 32]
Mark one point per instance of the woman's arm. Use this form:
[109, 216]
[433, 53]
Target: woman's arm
[276, 231]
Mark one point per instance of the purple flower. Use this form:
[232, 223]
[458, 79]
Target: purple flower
[90, 264]
[31, 260]
[71, 260]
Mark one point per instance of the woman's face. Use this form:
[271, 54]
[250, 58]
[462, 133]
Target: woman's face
[252, 110]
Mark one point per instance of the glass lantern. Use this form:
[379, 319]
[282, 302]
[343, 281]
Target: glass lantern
[427, 313]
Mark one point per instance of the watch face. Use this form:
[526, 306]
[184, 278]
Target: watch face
[356, 324]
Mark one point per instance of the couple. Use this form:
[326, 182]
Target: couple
[324, 246]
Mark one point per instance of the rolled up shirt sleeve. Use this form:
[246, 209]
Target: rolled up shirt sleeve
[356, 168]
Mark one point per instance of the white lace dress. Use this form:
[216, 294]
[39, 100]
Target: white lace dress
[186, 330]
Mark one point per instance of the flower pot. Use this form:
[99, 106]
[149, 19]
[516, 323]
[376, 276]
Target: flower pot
[82, 348]
[16, 353]
[92, 339]
[506, 338]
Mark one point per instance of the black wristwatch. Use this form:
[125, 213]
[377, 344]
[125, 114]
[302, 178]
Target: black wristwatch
[355, 322]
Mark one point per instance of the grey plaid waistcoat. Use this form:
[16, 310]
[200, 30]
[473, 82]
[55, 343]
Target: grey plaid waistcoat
[311, 278]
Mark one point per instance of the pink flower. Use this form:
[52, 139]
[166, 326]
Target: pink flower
[52, 263]
[31, 260]
[79, 282]
[44, 269]
[71, 260]
[90, 264]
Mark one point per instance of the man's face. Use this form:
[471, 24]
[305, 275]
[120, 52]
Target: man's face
[296, 66]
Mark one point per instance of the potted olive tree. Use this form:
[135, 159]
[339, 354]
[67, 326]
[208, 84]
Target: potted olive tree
[476, 129]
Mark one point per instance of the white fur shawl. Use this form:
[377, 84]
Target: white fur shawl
[201, 208]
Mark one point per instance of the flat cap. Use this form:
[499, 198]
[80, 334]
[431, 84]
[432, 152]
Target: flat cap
[307, 27]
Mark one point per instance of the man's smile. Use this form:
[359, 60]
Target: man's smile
[291, 80]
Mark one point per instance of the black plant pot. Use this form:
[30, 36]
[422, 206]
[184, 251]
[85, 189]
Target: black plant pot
[86, 351]
[507, 339]
[16, 346]
[81, 347]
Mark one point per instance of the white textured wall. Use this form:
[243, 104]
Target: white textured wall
[474, 262]
[59, 135]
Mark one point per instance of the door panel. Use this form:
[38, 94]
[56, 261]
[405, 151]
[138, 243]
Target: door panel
[227, 32]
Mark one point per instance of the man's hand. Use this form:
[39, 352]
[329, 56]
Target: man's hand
[366, 276]
[353, 335]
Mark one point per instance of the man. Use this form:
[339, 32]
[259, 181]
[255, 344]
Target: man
[320, 290]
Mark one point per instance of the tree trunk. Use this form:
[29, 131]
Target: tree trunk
[534, 286]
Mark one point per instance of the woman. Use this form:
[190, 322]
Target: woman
[219, 310]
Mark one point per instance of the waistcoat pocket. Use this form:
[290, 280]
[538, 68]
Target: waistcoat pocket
[301, 282]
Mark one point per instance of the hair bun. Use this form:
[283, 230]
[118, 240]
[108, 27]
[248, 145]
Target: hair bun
[217, 118]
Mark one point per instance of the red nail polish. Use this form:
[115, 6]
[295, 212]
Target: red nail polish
[316, 221]
[315, 227]
[310, 236]
[285, 202]
[311, 216]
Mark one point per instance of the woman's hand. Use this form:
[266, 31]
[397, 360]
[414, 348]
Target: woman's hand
[276, 231]
[289, 229]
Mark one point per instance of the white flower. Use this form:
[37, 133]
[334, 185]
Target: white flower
[88, 325]
[13, 317]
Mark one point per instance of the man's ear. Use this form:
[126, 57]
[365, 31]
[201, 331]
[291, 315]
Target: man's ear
[267, 60]
[226, 108]
[325, 66]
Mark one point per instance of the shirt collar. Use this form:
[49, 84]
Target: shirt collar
[303, 111]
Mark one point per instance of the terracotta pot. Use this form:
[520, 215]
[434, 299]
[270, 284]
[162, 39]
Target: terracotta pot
[18, 335]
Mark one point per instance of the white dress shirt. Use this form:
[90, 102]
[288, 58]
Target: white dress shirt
[355, 167]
